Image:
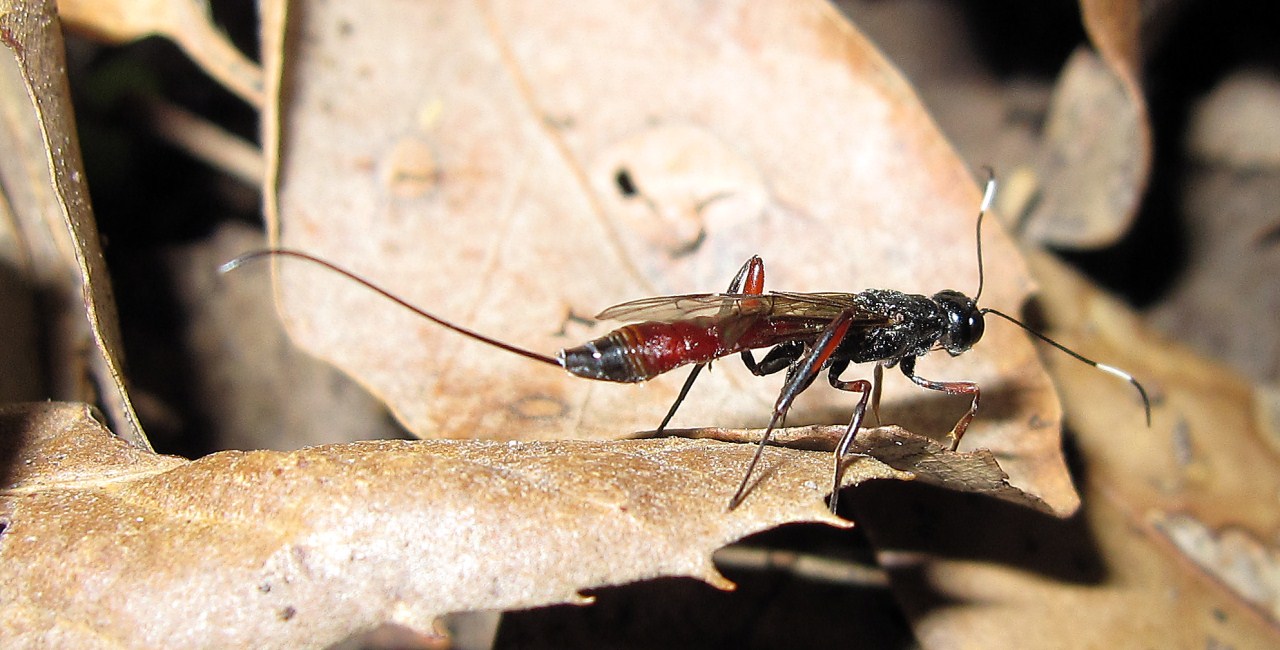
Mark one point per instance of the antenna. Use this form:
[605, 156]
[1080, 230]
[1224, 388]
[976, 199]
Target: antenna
[1146, 402]
[987, 196]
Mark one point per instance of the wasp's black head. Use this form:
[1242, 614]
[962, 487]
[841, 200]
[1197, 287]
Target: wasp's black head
[964, 321]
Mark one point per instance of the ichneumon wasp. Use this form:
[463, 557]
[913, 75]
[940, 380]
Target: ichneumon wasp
[807, 333]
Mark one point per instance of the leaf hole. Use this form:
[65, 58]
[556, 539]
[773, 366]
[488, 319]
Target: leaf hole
[626, 184]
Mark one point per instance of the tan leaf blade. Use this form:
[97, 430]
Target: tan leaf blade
[269, 547]
[488, 190]
[917, 457]
[56, 224]
[1096, 153]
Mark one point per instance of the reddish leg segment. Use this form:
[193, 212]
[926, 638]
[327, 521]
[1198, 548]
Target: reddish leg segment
[950, 388]
[801, 375]
[842, 448]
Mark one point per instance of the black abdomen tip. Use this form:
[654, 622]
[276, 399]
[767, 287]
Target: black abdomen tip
[604, 358]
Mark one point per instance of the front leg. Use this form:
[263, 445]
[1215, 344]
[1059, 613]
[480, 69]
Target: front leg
[950, 388]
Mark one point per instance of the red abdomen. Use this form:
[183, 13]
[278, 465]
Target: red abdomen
[645, 350]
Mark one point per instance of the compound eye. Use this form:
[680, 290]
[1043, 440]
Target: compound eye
[977, 325]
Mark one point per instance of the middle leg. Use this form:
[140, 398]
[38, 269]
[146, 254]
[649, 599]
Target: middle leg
[855, 423]
[749, 280]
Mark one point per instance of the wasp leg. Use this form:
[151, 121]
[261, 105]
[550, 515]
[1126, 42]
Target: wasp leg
[781, 357]
[950, 388]
[748, 280]
[800, 376]
[684, 391]
[877, 380]
[842, 448]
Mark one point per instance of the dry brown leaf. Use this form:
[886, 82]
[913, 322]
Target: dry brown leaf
[918, 457]
[105, 544]
[477, 175]
[186, 22]
[1178, 520]
[58, 239]
[38, 280]
[305, 548]
[1074, 164]
[1225, 299]
[1233, 127]
[1092, 170]
[1094, 160]
[1200, 479]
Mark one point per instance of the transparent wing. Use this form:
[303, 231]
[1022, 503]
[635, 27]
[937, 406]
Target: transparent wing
[822, 306]
[673, 308]
[825, 305]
